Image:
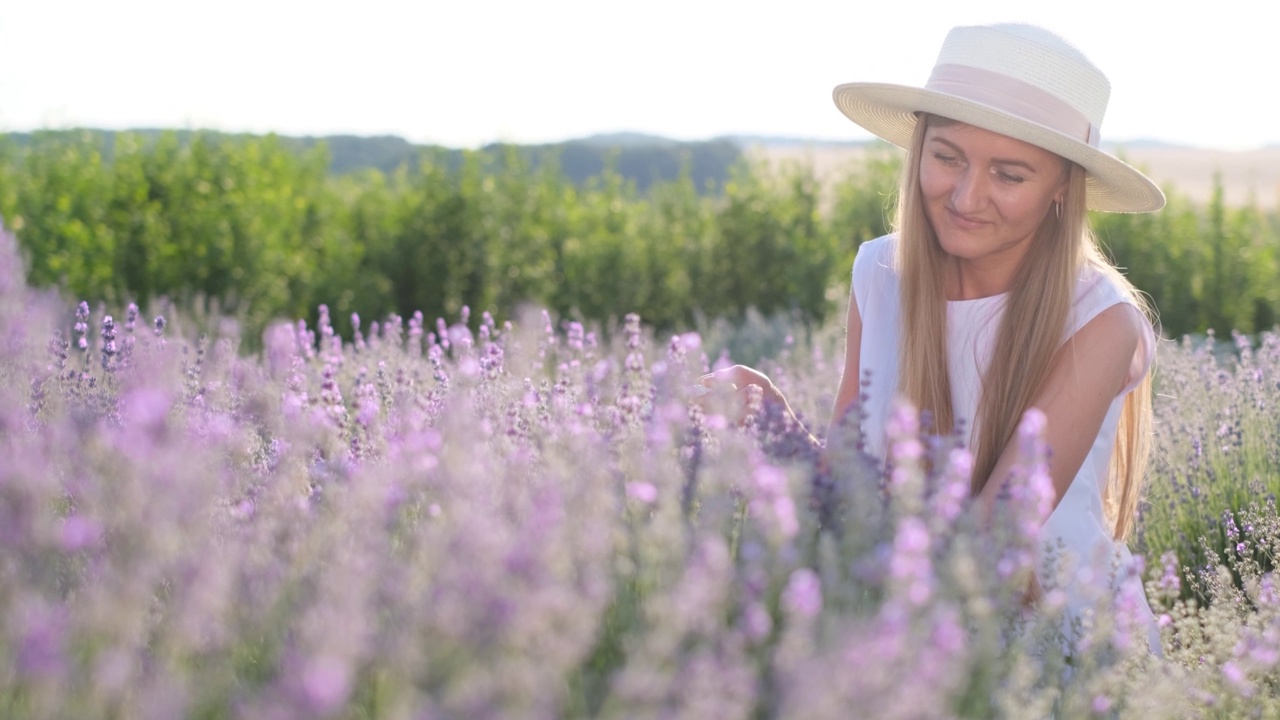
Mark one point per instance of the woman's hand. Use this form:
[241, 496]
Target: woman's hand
[1034, 592]
[749, 392]
[751, 389]
[739, 377]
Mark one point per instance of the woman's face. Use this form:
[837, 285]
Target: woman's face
[986, 194]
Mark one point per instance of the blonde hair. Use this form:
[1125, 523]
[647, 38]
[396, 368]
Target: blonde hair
[1030, 333]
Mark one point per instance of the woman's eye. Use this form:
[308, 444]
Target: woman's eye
[946, 159]
[1009, 177]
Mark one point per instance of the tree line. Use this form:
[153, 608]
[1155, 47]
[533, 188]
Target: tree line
[260, 228]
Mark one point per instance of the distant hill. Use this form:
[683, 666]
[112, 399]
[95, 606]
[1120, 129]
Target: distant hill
[347, 153]
[626, 139]
[642, 159]
[646, 159]
[784, 141]
[642, 162]
[1141, 144]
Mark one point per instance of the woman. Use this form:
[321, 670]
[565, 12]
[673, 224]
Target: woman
[991, 297]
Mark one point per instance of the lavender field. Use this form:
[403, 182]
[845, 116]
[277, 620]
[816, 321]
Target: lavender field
[461, 518]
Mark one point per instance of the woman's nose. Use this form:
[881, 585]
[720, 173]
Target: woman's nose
[970, 192]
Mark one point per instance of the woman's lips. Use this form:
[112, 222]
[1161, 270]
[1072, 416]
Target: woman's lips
[964, 221]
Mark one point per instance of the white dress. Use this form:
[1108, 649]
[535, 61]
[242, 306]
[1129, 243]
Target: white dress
[1078, 524]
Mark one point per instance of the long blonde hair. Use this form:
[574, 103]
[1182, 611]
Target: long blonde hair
[1030, 334]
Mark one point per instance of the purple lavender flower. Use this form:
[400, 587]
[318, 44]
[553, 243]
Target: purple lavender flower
[331, 396]
[1235, 675]
[82, 326]
[910, 564]
[803, 594]
[643, 492]
[953, 493]
[367, 407]
[491, 361]
[41, 652]
[947, 634]
[108, 342]
[281, 347]
[574, 336]
[1267, 594]
[244, 509]
[146, 408]
[326, 684]
[415, 333]
[442, 333]
[757, 621]
[357, 338]
[58, 352]
[772, 499]
[459, 336]
[79, 532]
[1170, 581]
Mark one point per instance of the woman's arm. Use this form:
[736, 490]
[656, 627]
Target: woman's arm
[739, 377]
[850, 377]
[1089, 370]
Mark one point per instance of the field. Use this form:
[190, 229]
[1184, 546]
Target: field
[460, 517]
[1247, 176]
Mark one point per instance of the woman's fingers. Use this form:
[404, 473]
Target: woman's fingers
[736, 376]
[741, 391]
[723, 392]
[1033, 593]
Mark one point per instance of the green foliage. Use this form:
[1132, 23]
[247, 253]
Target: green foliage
[863, 206]
[261, 228]
[1204, 267]
[255, 228]
[242, 226]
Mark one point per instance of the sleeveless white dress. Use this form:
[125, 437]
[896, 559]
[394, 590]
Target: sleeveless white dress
[1077, 526]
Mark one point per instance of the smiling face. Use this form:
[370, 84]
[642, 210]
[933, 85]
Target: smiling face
[986, 195]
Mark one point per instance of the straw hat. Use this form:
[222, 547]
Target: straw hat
[1017, 80]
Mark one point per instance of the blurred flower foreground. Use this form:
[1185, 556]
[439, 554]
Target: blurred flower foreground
[484, 521]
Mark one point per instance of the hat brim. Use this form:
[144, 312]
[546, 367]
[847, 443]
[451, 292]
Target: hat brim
[890, 111]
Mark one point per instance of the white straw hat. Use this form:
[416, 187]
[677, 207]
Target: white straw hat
[1017, 80]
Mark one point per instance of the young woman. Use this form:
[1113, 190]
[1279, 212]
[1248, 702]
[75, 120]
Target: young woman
[992, 297]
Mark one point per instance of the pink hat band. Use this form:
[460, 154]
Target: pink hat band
[1014, 97]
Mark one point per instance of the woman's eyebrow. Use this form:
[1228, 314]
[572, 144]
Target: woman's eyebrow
[994, 161]
[1016, 163]
[948, 143]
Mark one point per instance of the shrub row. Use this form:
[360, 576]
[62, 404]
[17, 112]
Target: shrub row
[254, 227]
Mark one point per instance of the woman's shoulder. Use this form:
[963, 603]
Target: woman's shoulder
[875, 254]
[1099, 287]
[1102, 287]
[883, 244]
[873, 270]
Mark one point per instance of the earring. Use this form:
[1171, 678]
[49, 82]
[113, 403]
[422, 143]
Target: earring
[1057, 208]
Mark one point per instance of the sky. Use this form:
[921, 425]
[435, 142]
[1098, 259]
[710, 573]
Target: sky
[463, 73]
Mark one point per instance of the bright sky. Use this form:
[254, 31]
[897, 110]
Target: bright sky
[468, 72]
